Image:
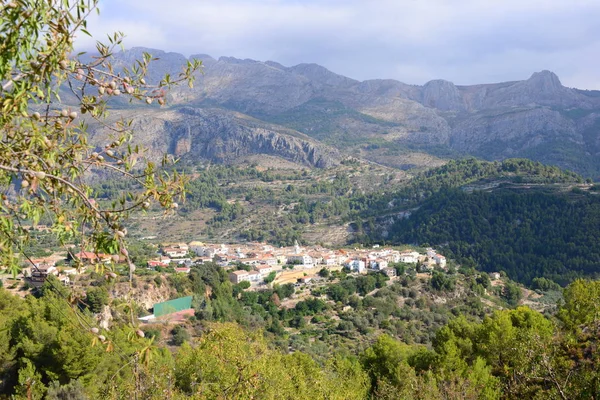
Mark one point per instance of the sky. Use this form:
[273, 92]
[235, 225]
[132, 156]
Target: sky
[413, 41]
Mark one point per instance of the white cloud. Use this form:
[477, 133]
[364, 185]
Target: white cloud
[466, 41]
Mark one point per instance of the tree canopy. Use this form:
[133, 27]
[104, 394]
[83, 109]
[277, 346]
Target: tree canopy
[48, 97]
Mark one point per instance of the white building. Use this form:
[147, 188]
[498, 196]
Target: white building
[440, 260]
[267, 248]
[330, 261]
[222, 249]
[210, 252]
[254, 276]
[197, 248]
[174, 252]
[241, 275]
[183, 246]
[69, 271]
[270, 260]
[238, 276]
[393, 256]
[411, 257]
[302, 259]
[358, 266]
[264, 270]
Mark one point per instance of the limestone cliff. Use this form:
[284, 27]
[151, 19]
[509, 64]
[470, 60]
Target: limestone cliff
[220, 136]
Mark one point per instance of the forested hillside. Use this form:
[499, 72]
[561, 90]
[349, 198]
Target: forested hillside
[48, 350]
[526, 232]
[336, 206]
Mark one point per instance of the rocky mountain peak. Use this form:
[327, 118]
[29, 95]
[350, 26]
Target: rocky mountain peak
[165, 62]
[275, 65]
[443, 95]
[545, 82]
[136, 53]
[536, 117]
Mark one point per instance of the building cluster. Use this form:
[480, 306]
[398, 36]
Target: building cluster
[264, 259]
[38, 270]
[259, 260]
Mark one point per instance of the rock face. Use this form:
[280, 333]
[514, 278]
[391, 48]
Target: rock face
[442, 95]
[264, 108]
[220, 136]
[505, 130]
[224, 138]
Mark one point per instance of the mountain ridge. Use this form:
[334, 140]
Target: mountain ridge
[537, 117]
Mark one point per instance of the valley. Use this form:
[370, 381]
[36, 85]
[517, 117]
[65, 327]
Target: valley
[180, 226]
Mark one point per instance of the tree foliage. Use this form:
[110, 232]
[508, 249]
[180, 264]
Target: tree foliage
[45, 152]
[529, 234]
[46, 351]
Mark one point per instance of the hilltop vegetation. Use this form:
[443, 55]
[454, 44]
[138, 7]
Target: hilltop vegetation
[527, 233]
[458, 173]
[344, 310]
[47, 350]
[523, 217]
[279, 206]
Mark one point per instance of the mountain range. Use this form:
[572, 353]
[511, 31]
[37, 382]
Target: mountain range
[308, 115]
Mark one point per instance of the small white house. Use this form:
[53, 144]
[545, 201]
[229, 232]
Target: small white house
[254, 276]
[197, 248]
[440, 260]
[330, 261]
[411, 257]
[174, 252]
[241, 275]
[302, 259]
[358, 266]
[269, 260]
[264, 270]
[238, 276]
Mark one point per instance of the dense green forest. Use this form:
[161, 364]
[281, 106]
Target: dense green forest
[527, 233]
[50, 349]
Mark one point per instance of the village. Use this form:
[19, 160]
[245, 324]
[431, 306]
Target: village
[255, 263]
